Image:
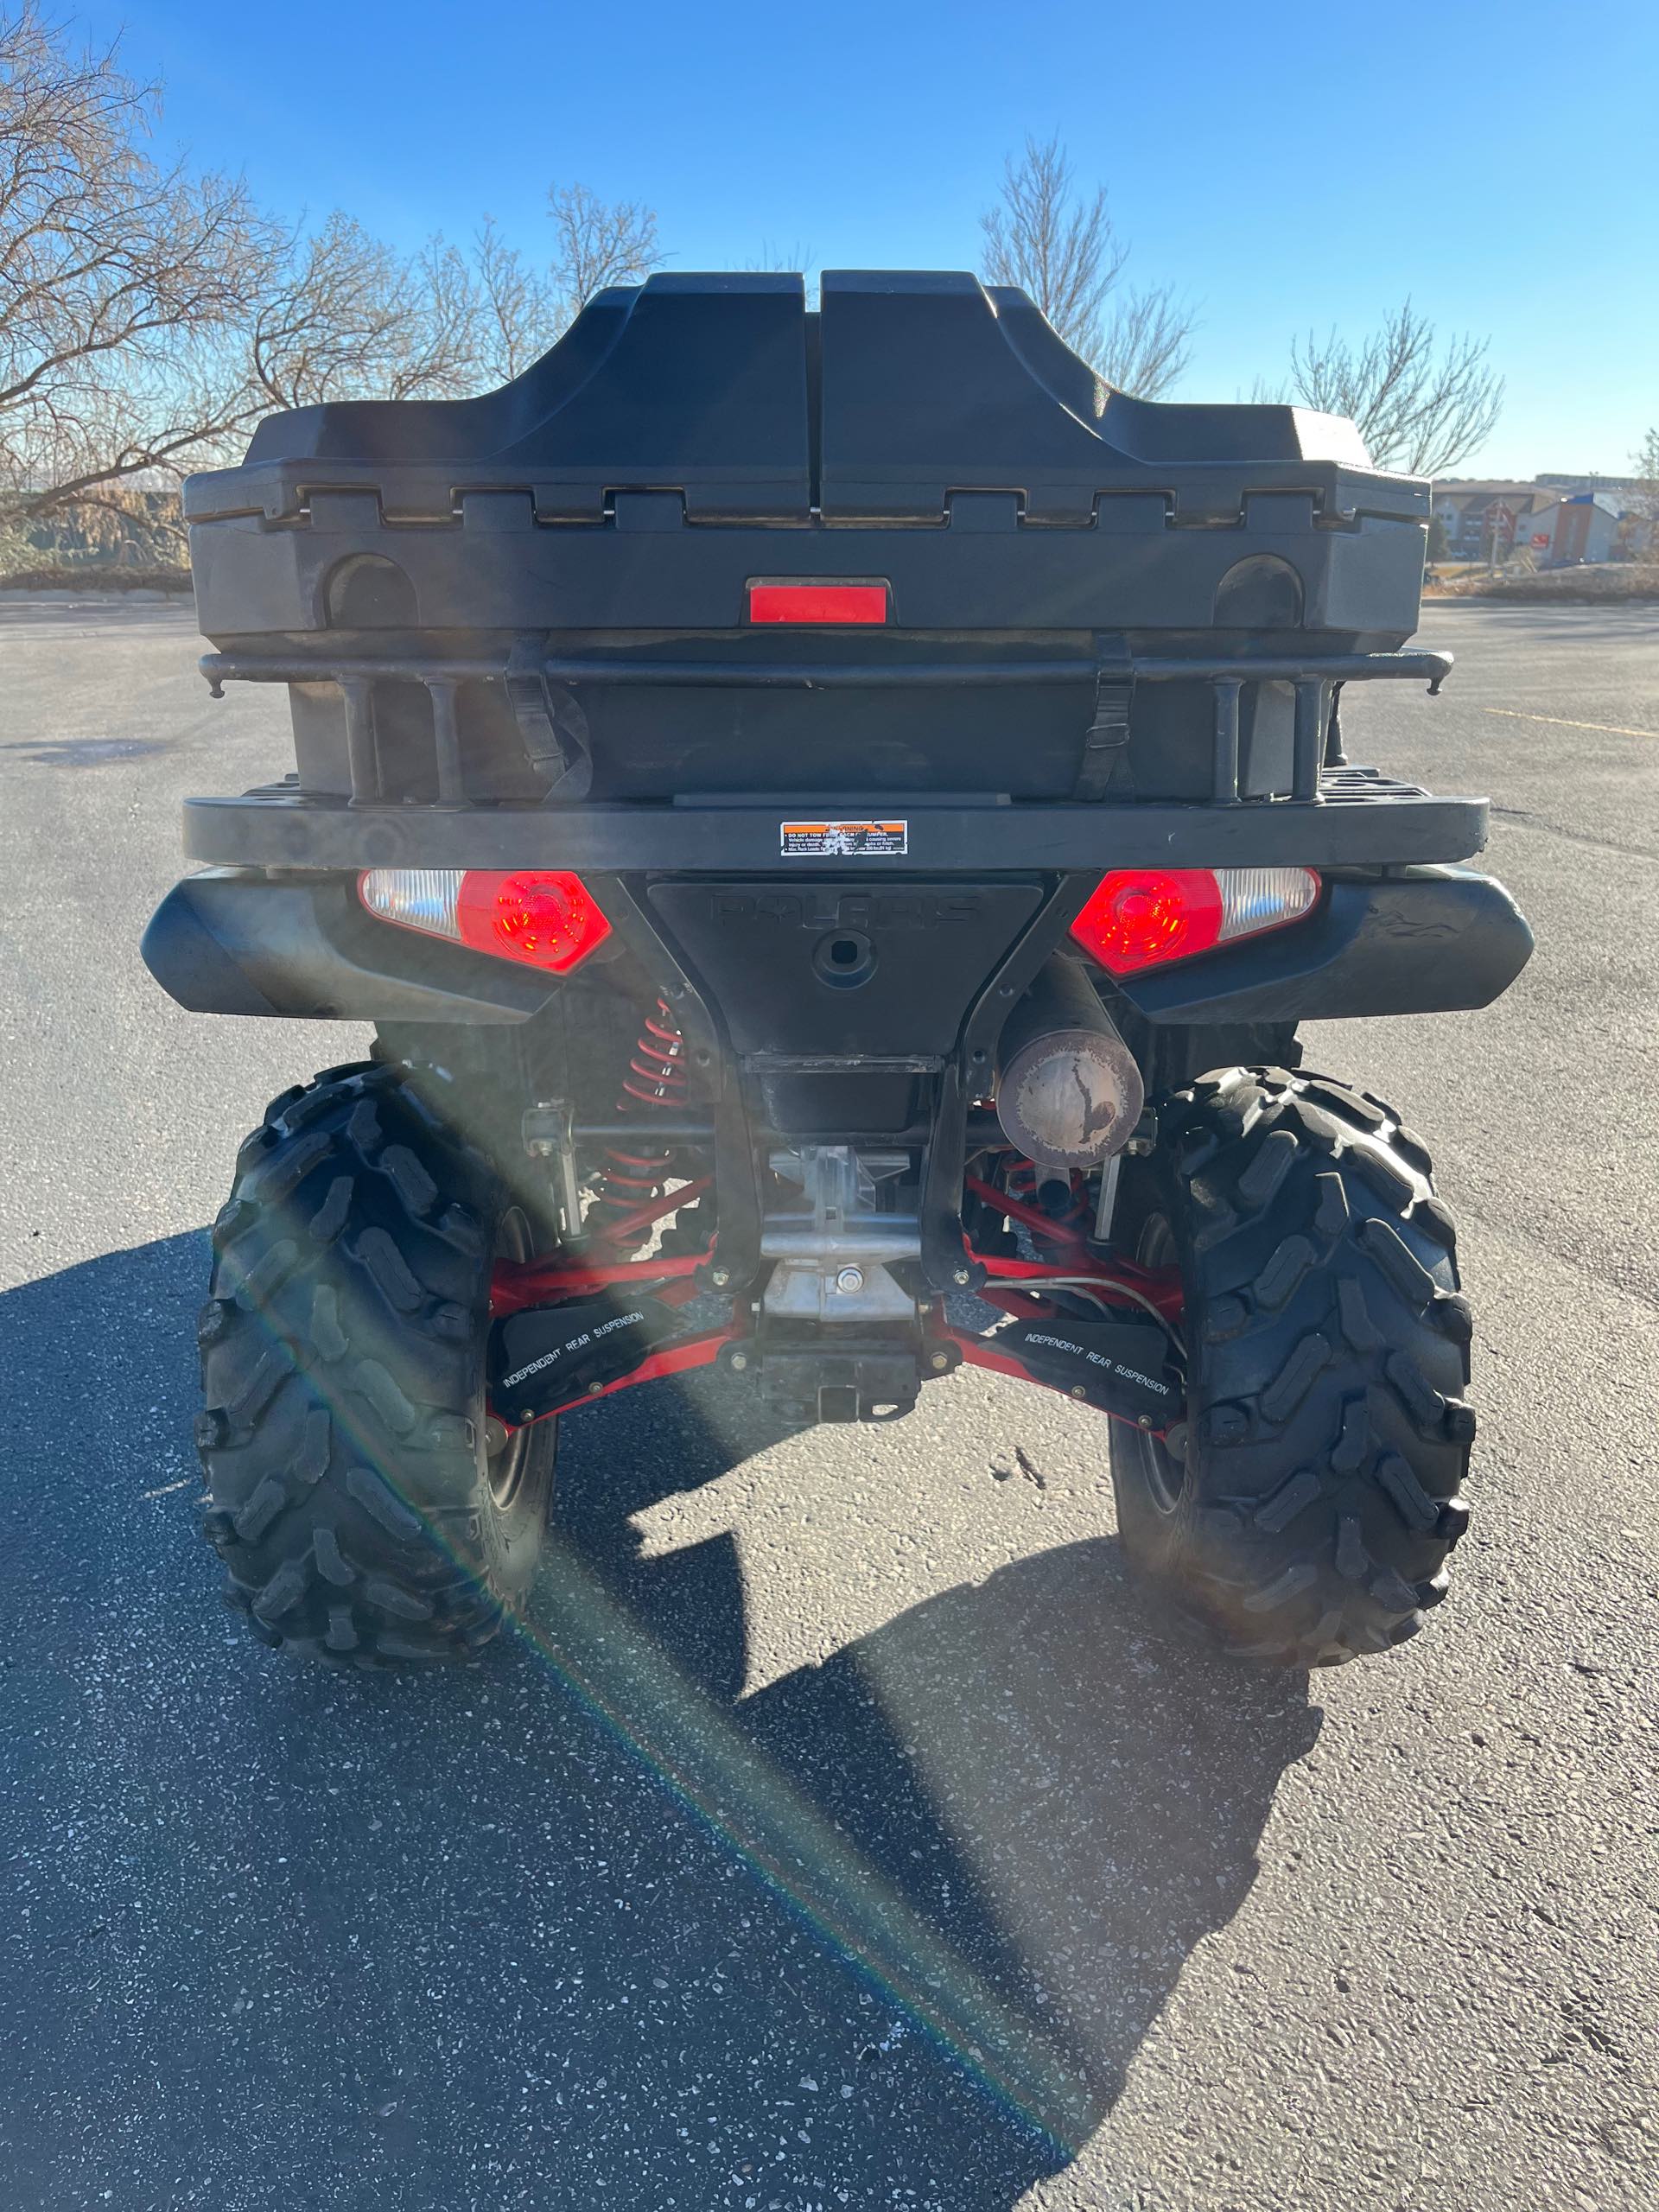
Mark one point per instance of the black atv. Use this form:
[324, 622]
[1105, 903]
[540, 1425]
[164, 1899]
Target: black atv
[833, 815]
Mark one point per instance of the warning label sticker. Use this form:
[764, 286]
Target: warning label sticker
[830, 840]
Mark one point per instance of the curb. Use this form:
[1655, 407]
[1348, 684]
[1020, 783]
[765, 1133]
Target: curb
[92, 594]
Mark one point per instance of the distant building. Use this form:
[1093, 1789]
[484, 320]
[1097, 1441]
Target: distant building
[1555, 519]
[1586, 526]
[1616, 486]
[1465, 509]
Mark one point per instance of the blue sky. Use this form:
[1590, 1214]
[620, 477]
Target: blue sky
[1284, 164]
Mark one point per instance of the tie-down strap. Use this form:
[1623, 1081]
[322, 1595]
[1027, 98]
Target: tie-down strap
[1105, 764]
[551, 721]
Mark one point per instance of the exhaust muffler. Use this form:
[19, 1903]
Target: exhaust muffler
[1068, 1091]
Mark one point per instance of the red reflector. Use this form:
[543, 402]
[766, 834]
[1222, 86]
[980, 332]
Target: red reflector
[817, 602]
[1136, 916]
[545, 917]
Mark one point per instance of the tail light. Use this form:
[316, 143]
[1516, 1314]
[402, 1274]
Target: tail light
[1140, 918]
[545, 917]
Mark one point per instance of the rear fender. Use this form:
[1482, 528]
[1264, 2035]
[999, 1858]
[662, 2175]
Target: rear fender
[1419, 940]
[238, 941]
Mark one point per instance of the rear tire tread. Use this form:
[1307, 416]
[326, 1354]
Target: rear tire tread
[1326, 1407]
[341, 1349]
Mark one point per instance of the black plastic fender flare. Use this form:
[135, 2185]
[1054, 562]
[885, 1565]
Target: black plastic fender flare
[1417, 940]
[240, 941]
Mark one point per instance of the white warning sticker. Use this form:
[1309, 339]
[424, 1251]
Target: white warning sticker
[833, 840]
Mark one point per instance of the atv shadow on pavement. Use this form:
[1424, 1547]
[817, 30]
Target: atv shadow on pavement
[502, 1935]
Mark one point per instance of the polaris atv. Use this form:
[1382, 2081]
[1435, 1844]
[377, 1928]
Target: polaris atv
[834, 816]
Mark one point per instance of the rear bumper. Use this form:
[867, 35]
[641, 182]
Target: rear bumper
[1419, 940]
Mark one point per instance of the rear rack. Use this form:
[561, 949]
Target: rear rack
[1317, 681]
[1359, 819]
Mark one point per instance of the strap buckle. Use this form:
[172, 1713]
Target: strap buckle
[1105, 764]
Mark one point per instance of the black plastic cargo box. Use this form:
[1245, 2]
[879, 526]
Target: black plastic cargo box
[546, 594]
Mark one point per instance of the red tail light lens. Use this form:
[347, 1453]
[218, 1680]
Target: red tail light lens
[818, 601]
[1139, 917]
[545, 917]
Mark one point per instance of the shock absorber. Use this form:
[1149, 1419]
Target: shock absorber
[655, 1083]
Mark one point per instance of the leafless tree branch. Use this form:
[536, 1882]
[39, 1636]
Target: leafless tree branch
[1146, 343]
[1063, 249]
[596, 243]
[516, 316]
[149, 315]
[780, 260]
[1064, 252]
[1422, 405]
[118, 276]
[1644, 467]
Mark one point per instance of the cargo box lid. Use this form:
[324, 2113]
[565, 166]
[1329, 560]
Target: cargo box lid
[906, 388]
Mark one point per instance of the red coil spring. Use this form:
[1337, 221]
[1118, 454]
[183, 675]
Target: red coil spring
[656, 1081]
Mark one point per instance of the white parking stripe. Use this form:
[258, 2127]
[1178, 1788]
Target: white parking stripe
[1611, 729]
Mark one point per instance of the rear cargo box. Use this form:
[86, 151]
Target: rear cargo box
[544, 592]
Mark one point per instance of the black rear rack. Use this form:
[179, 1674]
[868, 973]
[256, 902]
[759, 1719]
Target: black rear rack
[1317, 681]
[1359, 819]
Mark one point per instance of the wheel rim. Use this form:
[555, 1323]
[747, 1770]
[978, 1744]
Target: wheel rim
[507, 1450]
[1163, 1472]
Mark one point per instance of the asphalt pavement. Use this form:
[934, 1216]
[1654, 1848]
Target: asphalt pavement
[841, 1831]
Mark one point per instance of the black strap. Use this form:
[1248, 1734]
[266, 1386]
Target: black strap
[551, 723]
[1334, 755]
[1105, 764]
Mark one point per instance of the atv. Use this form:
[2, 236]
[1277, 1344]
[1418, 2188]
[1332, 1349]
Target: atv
[835, 817]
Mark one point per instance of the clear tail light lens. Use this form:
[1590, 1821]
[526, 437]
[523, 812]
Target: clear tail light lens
[415, 898]
[544, 918]
[1254, 898]
[1139, 917]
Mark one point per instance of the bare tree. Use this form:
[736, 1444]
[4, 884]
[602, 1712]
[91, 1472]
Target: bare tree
[596, 243]
[501, 312]
[1146, 344]
[119, 277]
[1644, 467]
[1421, 406]
[1064, 252]
[515, 315]
[1063, 249]
[150, 316]
[353, 319]
[344, 317]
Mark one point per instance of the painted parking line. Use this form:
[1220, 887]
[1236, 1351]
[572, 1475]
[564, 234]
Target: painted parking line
[1609, 729]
